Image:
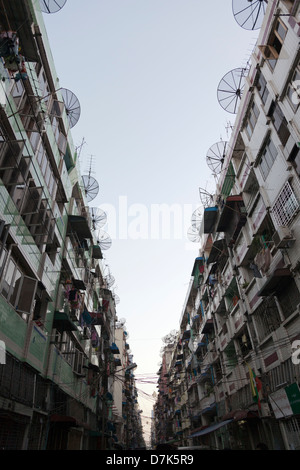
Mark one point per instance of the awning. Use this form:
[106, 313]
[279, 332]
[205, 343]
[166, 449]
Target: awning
[216, 250]
[97, 318]
[186, 334]
[78, 284]
[56, 418]
[229, 210]
[237, 415]
[97, 253]
[209, 218]
[80, 225]
[199, 346]
[208, 409]
[212, 428]
[208, 326]
[63, 322]
[198, 262]
[278, 279]
[114, 349]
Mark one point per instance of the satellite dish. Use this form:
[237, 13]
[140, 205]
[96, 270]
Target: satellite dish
[193, 235]
[249, 14]
[72, 106]
[52, 6]
[230, 90]
[197, 218]
[215, 157]
[91, 187]
[99, 217]
[116, 298]
[205, 197]
[104, 240]
[110, 280]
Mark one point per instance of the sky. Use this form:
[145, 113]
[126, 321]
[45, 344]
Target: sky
[146, 74]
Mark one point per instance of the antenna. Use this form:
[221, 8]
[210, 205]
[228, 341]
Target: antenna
[72, 106]
[80, 147]
[99, 217]
[230, 90]
[52, 6]
[215, 157]
[249, 14]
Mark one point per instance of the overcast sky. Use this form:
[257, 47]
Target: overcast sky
[146, 73]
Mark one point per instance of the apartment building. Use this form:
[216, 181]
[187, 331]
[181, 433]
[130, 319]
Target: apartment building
[240, 323]
[126, 411]
[57, 312]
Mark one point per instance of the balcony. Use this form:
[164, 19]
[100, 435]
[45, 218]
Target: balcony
[197, 271]
[233, 217]
[80, 225]
[208, 325]
[217, 250]
[13, 20]
[279, 277]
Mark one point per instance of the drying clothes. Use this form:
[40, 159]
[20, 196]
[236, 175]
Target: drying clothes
[255, 270]
[22, 74]
[263, 260]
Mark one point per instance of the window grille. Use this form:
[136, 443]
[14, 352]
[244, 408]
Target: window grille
[286, 206]
[267, 318]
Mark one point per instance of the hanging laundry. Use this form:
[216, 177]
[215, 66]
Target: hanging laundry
[22, 74]
[255, 270]
[86, 317]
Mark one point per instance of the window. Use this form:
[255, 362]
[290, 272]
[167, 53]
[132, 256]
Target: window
[267, 318]
[17, 288]
[294, 158]
[251, 120]
[272, 49]
[267, 158]
[279, 122]
[262, 88]
[286, 206]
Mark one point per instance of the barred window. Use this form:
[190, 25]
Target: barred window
[286, 206]
[267, 318]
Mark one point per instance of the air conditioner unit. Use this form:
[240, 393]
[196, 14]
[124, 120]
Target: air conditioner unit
[283, 237]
